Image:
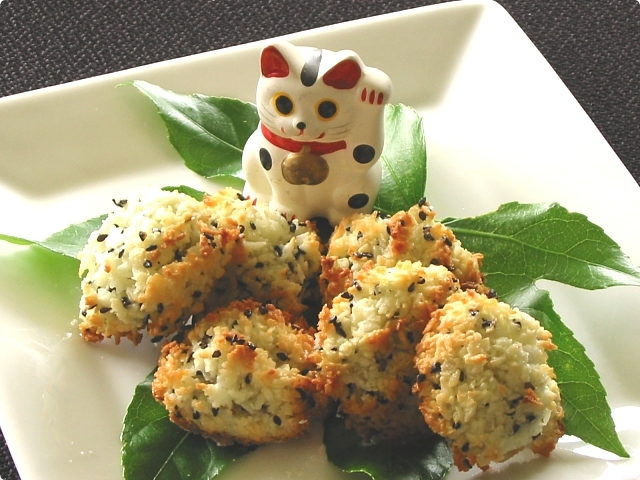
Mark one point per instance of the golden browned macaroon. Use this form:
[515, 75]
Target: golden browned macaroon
[366, 345]
[485, 383]
[412, 235]
[150, 266]
[240, 376]
[280, 258]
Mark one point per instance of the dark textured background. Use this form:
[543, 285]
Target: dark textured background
[594, 46]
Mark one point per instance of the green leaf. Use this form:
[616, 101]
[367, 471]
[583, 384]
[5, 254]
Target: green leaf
[153, 448]
[209, 133]
[68, 242]
[587, 413]
[522, 244]
[427, 458]
[404, 160]
[546, 241]
[192, 192]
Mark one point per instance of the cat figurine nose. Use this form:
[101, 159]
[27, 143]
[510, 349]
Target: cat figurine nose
[301, 125]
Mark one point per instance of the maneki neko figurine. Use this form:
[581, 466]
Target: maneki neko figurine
[315, 152]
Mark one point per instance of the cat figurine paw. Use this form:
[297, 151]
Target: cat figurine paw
[321, 132]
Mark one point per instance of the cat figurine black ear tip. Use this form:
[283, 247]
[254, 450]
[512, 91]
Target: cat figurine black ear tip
[315, 152]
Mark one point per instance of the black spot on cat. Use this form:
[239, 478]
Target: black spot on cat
[309, 72]
[364, 153]
[358, 200]
[265, 159]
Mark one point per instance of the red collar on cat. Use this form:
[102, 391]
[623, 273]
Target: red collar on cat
[317, 148]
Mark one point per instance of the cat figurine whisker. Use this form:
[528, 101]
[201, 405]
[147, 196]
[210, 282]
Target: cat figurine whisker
[315, 152]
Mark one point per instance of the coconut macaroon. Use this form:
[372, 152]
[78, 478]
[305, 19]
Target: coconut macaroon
[150, 266]
[485, 383]
[366, 345]
[241, 375]
[280, 258]
[408, 235]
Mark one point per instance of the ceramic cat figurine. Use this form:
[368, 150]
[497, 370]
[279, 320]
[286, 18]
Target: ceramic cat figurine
[315, 152]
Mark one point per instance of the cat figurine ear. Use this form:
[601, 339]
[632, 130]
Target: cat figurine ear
[344, 76]
[316, 150]
[273, 64]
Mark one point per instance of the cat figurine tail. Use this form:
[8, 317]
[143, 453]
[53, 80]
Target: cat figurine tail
[321, 132]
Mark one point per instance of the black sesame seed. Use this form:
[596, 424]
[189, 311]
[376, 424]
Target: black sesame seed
[121, 253]
[248, 313]
[492, 293]
[412, 287]
[119, 203]
[277, 420]
[426, 233]
[142, 235]
[516, 427]
[436, 367]
[530, 417]
[278, 250]
[457, 425]
[346, 295]
[241, 197]
[447, 241]
[421, 377]
[215, 411]
[160, 308]
[252, 225]
[105, 309]
[363, 255]
[263, 309]
[292, 227]
[196, 415]
[102, 237]
[247, 378]
[156, 339]
[487, 323]
[259, 264]
[147, 264]
[422, 215]
[465, 447]
[514, 403]
[422, 202]
[462, 375]
[282, 356]
[473, 312]
[197, 294]
[529, 385]
[126, 301]
[216, 354]
[151, 248]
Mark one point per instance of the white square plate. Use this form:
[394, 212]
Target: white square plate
[500, 126]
